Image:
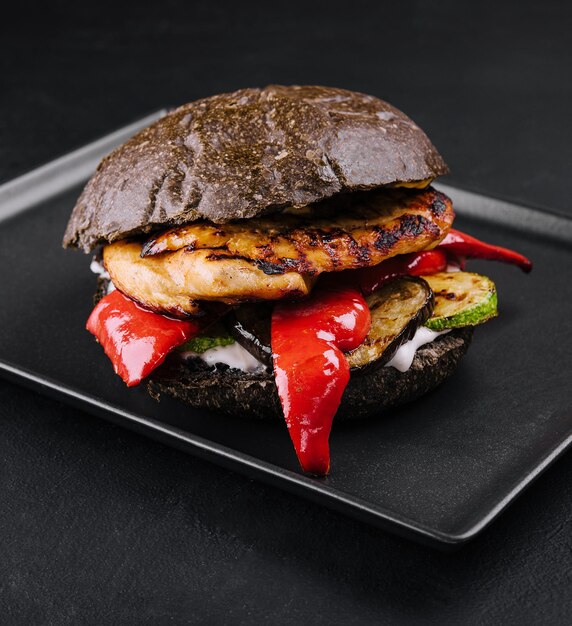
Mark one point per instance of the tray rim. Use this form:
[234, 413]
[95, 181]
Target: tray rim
[57, 176]
[298, 484]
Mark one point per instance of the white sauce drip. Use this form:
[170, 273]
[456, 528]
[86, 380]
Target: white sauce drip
[97, 268]
[404, 356]
[233, 355]
[237, 357]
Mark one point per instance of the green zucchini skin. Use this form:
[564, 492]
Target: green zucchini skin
[397, 309]
[461, 299]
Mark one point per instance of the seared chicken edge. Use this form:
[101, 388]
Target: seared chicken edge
[276, 257]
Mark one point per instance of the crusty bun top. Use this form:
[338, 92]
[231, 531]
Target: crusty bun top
[242, 154]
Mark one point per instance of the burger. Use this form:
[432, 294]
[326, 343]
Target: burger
[281, 253]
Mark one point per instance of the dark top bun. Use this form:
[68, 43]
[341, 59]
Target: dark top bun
[242, 154]
[369, 393]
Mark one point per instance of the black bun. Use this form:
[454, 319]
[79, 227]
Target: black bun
[239, 394]
[242, 154]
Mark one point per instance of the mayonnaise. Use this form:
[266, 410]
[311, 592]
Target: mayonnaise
[97, 268]
[404, 356]
[233, 355]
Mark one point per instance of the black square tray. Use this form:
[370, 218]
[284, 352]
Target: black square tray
[439, 470]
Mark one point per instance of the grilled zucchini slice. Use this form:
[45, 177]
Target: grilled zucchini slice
[461, 299]
[397, 308]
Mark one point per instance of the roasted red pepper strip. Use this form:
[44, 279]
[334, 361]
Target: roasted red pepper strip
[310, 369]
[415, 264]
[463, 245]
[136, 340]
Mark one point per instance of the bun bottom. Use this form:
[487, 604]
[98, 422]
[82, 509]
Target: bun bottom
[240, 394]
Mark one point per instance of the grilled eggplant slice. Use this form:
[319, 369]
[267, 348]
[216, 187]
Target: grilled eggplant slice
[398, 308]
[249, 324]
[461, 299]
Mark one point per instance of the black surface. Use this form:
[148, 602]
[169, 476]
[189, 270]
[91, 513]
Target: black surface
[102, 526]
[438, 469]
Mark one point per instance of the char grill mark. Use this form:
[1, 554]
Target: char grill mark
[439, 204]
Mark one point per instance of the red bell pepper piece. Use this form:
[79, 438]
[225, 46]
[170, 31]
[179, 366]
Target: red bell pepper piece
[414, 264]
[137, 341]
[310, 369]
[463, 245]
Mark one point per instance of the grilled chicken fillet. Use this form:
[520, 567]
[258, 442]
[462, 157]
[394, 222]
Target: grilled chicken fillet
[274, 257]
[173, 282]
[345, 233]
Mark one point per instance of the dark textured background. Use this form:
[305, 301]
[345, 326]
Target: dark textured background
[99, 525]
